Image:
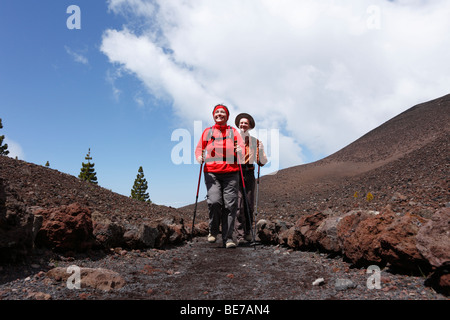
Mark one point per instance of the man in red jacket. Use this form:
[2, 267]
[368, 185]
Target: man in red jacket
[220, 148]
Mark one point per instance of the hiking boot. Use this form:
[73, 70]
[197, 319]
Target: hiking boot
[211, 238]
[240, 241]
[230, 244]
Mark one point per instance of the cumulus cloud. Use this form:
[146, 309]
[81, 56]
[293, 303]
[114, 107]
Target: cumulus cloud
[15, 149]
[321, 72]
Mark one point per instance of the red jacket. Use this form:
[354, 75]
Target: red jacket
[218, 144]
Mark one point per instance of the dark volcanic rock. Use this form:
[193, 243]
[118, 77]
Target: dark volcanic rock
[143, 236]
[327, 235]
[17, 225]
[108, 234]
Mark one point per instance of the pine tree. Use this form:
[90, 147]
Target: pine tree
[140, 186]
[87, 170]
[3, 147]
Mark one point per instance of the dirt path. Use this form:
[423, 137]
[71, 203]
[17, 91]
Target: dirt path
[202, 271]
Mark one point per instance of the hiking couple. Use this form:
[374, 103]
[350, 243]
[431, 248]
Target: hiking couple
[224, 151]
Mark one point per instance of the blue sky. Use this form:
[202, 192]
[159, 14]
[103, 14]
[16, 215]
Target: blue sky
[315, 75]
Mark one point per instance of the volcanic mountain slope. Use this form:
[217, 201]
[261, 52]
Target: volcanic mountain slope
[39, 187]
[403, 162]
[42, 207]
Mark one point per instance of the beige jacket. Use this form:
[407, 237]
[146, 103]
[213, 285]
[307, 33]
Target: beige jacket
[255, 149]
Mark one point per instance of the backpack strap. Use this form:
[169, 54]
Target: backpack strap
[209, 136]
[230, 135]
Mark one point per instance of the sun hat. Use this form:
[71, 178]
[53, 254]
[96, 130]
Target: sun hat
[247, 116]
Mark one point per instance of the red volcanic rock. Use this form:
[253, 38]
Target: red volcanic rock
[398, 242]
[433, 242]
[304, 233]
[433, 239]
[369, 238]
[66, 228]
[358, 234]
[201, 229]
[444, 284]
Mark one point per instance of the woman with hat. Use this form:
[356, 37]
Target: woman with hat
[254, 153]
[219, 148]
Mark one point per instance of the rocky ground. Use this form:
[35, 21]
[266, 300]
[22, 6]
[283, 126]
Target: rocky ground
[318, 233]
[199, 270]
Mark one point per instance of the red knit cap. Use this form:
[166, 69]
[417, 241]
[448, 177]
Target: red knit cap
[223, 107]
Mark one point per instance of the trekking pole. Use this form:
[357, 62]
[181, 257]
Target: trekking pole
[246, 207]
[196, 199]
[256, 204]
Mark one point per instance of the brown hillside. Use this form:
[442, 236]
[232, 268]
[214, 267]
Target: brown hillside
[40, 187]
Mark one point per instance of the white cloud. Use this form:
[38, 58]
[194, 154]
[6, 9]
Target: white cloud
[136, 7]
[14, 148]
[76, 56]
[111, 79]
[323, 73]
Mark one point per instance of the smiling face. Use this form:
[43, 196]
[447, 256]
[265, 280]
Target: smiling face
[244, 124]
[220, 116]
